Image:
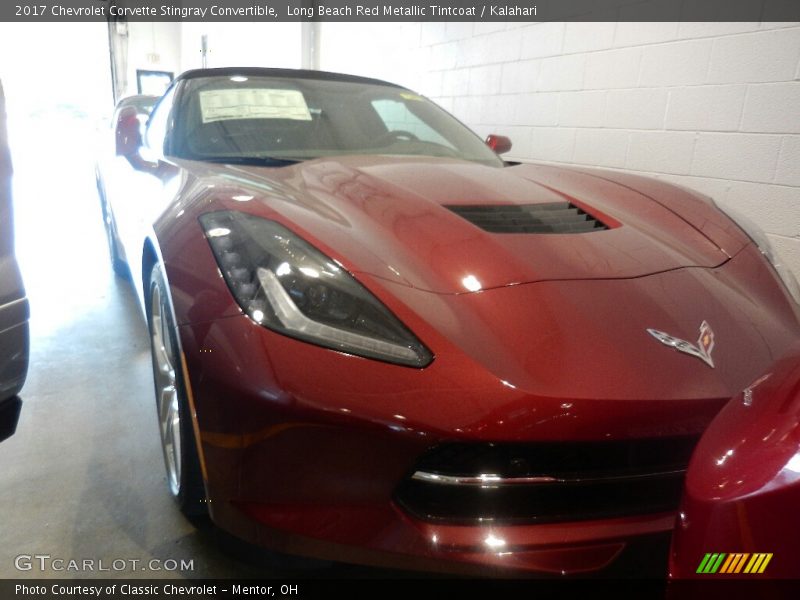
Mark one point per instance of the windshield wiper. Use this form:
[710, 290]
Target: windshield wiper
[257, 161]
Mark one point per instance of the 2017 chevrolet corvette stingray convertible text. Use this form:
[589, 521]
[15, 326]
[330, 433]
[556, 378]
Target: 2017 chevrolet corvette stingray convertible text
[374, 340]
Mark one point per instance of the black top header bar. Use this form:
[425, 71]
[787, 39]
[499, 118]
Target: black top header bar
[399, 10]
[289, 73]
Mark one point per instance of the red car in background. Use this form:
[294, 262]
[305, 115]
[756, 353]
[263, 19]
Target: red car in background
[376, 341]
[738, 519]
[136, 109]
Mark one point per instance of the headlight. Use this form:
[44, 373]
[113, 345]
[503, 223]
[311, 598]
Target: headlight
[760, 239]
[287, 285]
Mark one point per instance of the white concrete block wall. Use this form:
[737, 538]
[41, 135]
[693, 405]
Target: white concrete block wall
[713, 106]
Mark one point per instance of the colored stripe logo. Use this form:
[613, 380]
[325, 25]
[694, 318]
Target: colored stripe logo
[735, 563]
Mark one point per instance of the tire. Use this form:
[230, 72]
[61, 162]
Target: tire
[178, 442]
[118, 263]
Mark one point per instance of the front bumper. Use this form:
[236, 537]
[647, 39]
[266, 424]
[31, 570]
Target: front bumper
[304, 449]
[309, 462]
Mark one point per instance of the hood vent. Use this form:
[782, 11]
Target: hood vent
[553, 217]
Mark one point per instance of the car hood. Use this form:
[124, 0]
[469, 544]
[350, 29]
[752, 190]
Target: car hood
[392, 217]
[577, 324]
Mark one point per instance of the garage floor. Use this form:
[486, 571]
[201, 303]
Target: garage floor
[83, 478]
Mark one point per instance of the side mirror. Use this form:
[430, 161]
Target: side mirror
[128, 132]
[499, 143]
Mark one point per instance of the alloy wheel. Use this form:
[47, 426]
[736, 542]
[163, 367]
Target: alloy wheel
[167, 397]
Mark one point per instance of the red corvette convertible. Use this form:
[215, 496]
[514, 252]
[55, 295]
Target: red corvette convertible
[375, 341]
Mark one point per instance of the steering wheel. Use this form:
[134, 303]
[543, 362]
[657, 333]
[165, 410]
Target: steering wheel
[397, 134]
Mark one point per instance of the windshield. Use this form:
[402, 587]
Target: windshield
[262, 118]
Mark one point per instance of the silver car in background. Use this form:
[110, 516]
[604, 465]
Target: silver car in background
[14, 311]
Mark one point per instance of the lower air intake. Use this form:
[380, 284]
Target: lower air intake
[547, 482]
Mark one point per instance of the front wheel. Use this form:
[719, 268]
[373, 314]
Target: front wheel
[174, 418]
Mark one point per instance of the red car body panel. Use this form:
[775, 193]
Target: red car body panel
[691, 206]
[502, 373]
[743, 483]
[536, 338]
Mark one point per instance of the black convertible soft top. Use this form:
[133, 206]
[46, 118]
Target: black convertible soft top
[270, 72]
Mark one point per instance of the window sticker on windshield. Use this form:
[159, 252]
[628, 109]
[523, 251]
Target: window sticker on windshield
[253, 103]
[410, 96]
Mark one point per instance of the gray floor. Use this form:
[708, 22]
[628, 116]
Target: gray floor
[83, 477]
